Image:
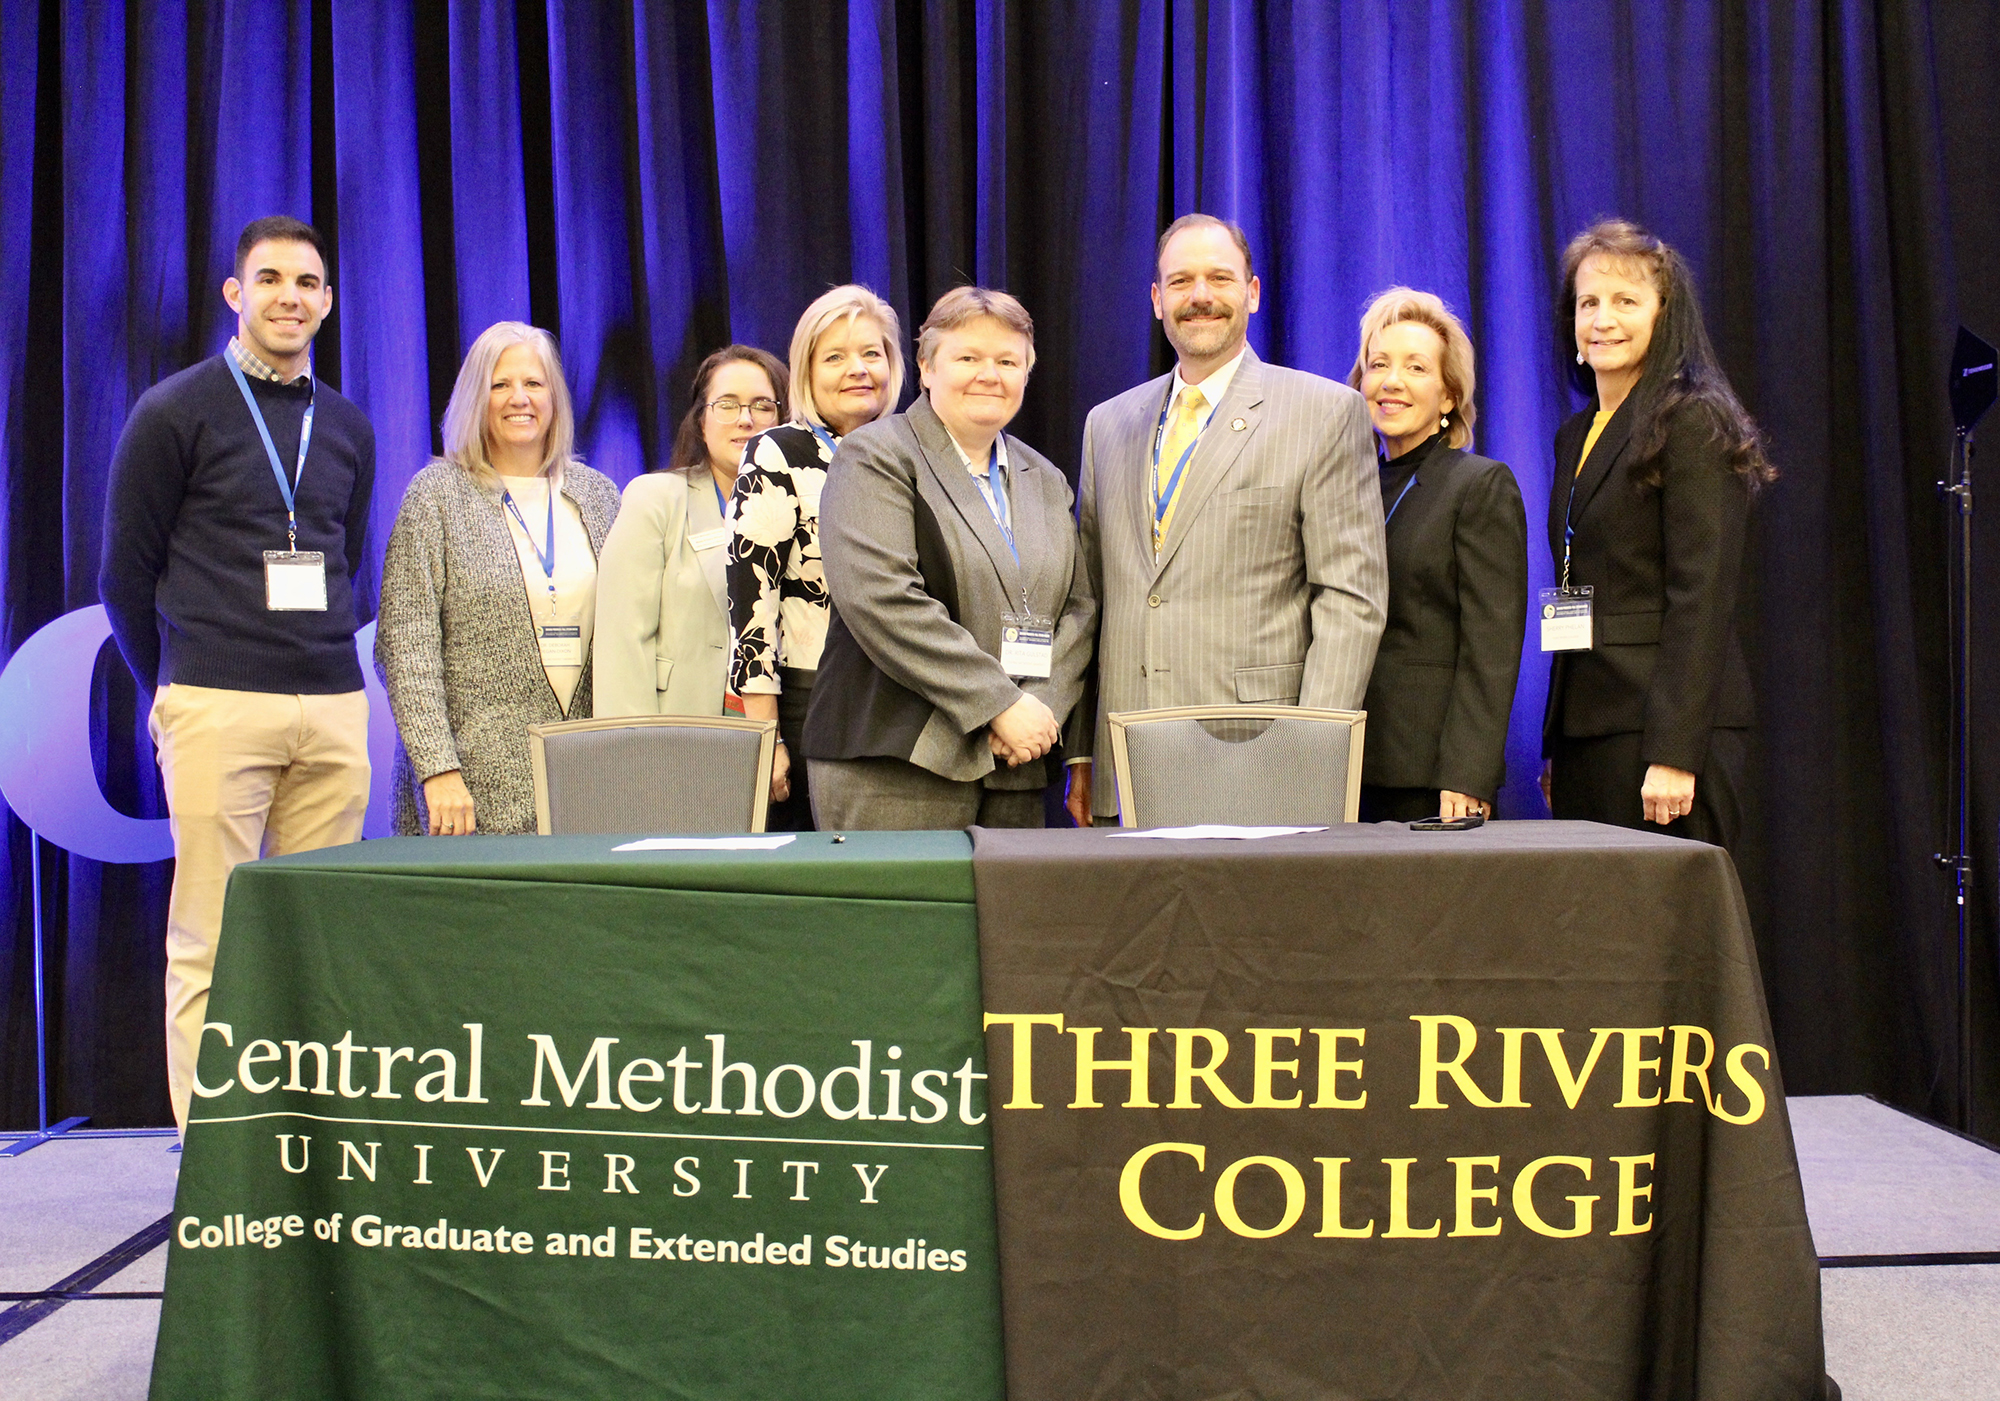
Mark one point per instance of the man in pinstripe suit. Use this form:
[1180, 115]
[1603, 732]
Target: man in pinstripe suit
[1229, 515]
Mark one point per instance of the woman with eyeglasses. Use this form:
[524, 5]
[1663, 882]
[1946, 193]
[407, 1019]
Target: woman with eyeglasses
[847, 370]
[663, 598]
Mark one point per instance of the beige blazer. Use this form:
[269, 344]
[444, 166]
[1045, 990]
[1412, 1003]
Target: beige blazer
[1272, 583]
[662, 640]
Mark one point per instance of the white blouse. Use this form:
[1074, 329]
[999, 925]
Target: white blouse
[575, 599]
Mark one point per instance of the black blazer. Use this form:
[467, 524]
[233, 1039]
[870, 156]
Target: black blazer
[1444, 676]
[1666, 562]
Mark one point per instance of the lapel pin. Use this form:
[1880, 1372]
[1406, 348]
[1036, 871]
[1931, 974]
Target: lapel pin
[1238, 425]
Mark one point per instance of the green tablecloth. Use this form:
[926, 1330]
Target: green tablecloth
[1488, 1113]
[459, 1132]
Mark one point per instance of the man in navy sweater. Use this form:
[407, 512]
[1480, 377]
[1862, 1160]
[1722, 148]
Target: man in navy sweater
[233, 529]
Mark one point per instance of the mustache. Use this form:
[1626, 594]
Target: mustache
[1193, 309]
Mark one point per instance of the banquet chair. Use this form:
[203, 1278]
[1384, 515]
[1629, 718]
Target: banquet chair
[1242, 765]
[652, 774]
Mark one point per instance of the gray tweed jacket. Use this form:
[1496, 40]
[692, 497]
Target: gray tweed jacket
[455, 644]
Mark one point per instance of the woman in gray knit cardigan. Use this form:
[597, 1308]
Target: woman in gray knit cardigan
[488, 590]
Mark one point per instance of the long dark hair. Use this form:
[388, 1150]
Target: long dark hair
[1680, 369]
[690, 447]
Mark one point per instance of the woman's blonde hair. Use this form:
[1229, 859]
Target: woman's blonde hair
[1455, 367]
[963, 304]
[465, 416]
[847, 304]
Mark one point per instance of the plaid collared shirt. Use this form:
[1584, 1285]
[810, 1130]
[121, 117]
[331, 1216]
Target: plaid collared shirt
[257, 369]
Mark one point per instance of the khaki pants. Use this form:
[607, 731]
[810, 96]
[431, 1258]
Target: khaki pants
[248, 774]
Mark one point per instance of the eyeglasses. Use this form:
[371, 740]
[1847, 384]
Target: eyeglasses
[729, 410]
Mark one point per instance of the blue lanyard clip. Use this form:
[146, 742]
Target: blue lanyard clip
[544, 555]
[993, 488]
[287, 488]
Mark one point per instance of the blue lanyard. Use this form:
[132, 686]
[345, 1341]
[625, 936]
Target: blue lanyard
[721, 502]
[1164, 499]
[547, 559]
[1569, 526]
[993, 488]
[287, 489]
[1569, 509]
[1399, 500]
[826, 439]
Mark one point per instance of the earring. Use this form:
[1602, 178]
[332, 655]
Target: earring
[1579, 357]
[1444, 422]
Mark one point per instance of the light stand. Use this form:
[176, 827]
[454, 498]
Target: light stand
[44, 1130]
[49, 781]
[1973, 382]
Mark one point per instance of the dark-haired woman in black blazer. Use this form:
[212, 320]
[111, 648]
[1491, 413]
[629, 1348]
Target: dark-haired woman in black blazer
[1650, 507]
[1443, 684]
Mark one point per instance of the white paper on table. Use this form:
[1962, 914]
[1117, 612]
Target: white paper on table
[770, 843]
[1217, 829]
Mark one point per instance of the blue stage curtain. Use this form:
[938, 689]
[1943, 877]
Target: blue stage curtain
[651, 182]
[26, 606]
[20, 56]
[486, 200]
[380, 281]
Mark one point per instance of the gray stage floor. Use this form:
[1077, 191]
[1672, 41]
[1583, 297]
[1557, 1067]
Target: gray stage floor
[64, 1205]
[1878, 1184]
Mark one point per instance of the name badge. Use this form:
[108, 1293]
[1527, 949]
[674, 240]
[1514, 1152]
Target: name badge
[562, 644]
[709, 539]
[295, 581]
[1566, 619]
[1027, 645]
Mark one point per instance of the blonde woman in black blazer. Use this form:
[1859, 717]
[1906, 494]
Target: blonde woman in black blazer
[1650, 506]
[1443, 683]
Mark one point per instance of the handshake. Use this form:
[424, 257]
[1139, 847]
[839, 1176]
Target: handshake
[1025, 730]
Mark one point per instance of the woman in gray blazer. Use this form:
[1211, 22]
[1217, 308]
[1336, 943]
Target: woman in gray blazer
[663, 601]
[962, 617]
[487, 591]
[1443, 684]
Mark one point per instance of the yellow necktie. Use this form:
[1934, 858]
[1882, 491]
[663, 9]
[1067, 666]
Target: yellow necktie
[1182, 430]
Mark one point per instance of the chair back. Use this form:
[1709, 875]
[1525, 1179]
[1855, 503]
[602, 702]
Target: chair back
[653, 774]
[1244, 765]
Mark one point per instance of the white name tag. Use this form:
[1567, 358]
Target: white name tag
[562, 644]
[1027, 645]
[295, 581]
[1566, 619]
[709, 539]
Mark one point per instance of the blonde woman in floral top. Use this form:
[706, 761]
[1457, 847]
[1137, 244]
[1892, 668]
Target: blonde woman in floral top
[846, 370]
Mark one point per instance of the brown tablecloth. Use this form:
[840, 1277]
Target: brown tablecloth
[1648, 1242]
